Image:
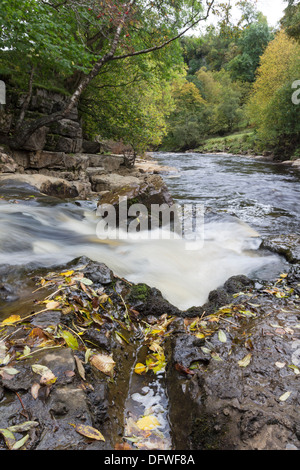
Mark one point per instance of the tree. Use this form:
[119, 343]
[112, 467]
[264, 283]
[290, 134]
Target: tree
[252, 43]
[82, 36]
[271, 109]
[187, 121]
[291, 19]
[130, 103]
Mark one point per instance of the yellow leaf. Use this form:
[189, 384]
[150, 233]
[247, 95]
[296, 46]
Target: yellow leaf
[12, 319]
[140, 369]
[246, 361]
[88, 431]
[67, 273]
[147, 423]
[199, 335]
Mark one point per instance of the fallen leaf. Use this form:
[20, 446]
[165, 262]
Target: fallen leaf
[140, 369]
[147, 423]
[183, 369]
[80, 367]
[104, 363]
[295, 369]
[23, 427]
[70, 339]
[35, 390]
[285, 396]
[9, 438]
[222, 336]
[47, 376]
[123, 446]
[67, 273]
[10, 370]
[17, 445]
[52, 305]
[12, 319]
[88, 431]
[86, 282]
[245, 361]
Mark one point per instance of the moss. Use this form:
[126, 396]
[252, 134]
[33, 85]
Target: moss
[139, 292]
[207, 434]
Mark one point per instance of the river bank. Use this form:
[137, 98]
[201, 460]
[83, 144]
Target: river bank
[118, 357]
[244, 144]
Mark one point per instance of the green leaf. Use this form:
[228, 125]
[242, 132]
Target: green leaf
[23, 427]
[8, 437]
[69, 339]
[20, 443]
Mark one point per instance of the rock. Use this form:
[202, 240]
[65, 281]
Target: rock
[7, 293]
[47, 185]
[90, 147]
[285, 245]
[221, 296]
[149, 301]
[186, 349]
[224, 406]
[98, 273]
[7, 164]
[110, 163]
[98, 338]
[67, 128]
[150, 191]
[37, 140]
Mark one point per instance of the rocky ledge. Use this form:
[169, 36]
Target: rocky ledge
[231, 371]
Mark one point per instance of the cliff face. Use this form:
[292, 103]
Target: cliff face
[63, 136]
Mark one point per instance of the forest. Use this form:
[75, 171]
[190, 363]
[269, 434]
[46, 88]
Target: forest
[162, 78]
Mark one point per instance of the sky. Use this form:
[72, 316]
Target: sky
[272, 9]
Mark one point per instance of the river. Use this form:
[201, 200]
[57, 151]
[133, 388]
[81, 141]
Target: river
[244, 198]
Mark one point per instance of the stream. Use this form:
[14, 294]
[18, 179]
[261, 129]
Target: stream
[245, 200]
[251, 199]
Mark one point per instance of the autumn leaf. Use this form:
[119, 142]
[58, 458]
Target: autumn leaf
[104, 363]
[12, 319]
[140, 369]
[88, 431]
[47, 376]
[147, 423]
[222, 336]
[70, 340]
[285, 396]
[245, 361]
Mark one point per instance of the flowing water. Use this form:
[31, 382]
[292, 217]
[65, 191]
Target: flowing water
[43, 231]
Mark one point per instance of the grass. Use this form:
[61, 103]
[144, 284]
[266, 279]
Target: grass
[238, 143]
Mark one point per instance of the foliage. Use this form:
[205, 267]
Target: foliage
[270, 108]
[130, 103]
[252, 43]
[291, 19]
[186, 123]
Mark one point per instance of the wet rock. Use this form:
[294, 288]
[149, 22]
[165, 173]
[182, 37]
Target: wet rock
[99, 273]
[226, 405]
[186, 349]
[7, 293]
[285, 245]
[149, 301]
[98, 338]
[222, 296]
